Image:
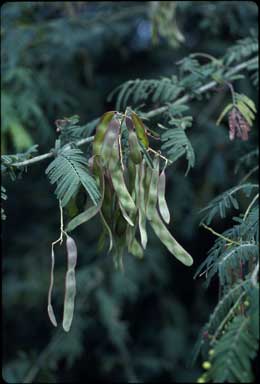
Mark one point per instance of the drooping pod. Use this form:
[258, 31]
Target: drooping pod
[50, 308]
[70, 284]
[141, 213]
[153, 190]
[169, 241]
[101, 131]
[110, 137]
[119, 183]
[140, 130]
[162, 204]
[134, 148]
[157, 224]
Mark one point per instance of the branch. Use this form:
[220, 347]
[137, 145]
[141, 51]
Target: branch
[155, 112]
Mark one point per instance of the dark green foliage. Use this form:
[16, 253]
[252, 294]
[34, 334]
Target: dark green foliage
[70, 170]
[63, 59]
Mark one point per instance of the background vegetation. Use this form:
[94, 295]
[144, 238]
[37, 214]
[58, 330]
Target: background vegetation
[64, 58]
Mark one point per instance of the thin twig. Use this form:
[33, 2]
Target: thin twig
[250, 206]
[150, 114]
[221, 236]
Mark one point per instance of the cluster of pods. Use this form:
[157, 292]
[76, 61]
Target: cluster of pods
[132, 188]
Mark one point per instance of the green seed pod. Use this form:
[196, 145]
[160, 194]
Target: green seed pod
[118, 182]
[153, 190]
[70, 285]
[50, 308]
[141, 216]
[101, 131]
[109, 140]
[163, 208]
[134, 149]
[140, 130]
[169, 241]
[131, 171]
[136, 249]
[108, 230]
[157, 224]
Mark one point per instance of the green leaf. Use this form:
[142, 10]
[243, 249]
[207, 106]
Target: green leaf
[225, 110]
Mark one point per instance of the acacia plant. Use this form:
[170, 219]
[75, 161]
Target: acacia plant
[122, 179]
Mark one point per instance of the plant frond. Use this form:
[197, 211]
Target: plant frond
[69, 170]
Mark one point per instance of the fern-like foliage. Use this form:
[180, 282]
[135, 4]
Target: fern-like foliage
[222, 203]
[229, 340]
[177, 144]
[69, 170]
[244, 48]
[156, 90]
[234, 352]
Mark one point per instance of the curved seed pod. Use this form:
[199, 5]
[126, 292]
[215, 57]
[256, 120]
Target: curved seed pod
[136, 249]
[163, 208]
[111, 136]
[125, 215]
[101, 131]
[108, 230]
[120, 224]
[119, 183]
[134, 149]
[169, 241]
[153, 190]
[140, 130]
[70, 285]
[131, 170]
[130, 235]
[141, 216]
[50, 308]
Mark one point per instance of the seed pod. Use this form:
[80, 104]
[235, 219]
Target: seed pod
[101, 131]
[70, 285]
[136, 249]
[141, 216]
[131, 170]
[119, 184]
[153, 190]
[108, 230]
[163, 208]
[134, 149]
[140, 130]
[109, 140]
[169, 241]
[50, 308]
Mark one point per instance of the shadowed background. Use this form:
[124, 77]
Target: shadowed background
[61, 59]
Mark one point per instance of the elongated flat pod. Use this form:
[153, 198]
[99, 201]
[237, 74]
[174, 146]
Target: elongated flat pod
[140, 129]
[136, 249]
[131, 171]
[162, 204]
[101, 131]
[119, 183]
[153, 190]
[134, 148]
[50, 308]
[108, 230]
[70, 284]
[111, 136]
[125, 215]
[141, 207]
[169, 241]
